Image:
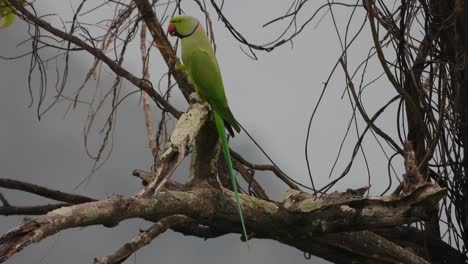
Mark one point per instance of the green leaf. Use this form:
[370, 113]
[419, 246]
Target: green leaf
[7, 20]
[7, 14]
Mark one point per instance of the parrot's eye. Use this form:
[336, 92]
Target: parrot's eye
[180, 20]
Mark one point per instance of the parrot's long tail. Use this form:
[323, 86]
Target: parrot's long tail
[227, 155]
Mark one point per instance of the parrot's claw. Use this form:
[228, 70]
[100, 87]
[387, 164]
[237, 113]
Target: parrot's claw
[179, 66]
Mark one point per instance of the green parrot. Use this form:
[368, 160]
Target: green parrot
[202, 67]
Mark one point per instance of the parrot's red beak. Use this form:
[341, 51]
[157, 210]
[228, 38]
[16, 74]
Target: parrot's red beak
[171, 29]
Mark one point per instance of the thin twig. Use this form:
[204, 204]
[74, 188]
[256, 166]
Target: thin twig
[261, 167]
[30, 210]
[143, 239]
[146, 107]
[142, 84]
[44, 192]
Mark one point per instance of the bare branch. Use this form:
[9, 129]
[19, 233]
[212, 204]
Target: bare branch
[30, 210]
[178, 146]
[249, 178]
[148, 177]
[422, 243]
[44, 192]
[371, 247]
[413, 176]
[144, 238]
[146, 107]
[265, 167]
[4, 200]
[328, 214]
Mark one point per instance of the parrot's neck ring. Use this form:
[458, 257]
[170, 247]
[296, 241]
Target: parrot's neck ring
[191, 33]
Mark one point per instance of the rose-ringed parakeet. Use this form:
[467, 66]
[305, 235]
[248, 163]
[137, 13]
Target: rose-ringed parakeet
[202, 67]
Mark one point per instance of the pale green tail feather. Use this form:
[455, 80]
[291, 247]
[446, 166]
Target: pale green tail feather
[227, 155]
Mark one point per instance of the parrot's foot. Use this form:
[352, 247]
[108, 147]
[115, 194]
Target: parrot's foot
[179, 66]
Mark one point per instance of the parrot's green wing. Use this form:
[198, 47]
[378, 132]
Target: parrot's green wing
[205, 74]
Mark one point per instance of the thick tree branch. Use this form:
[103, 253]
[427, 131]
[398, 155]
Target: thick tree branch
[178, 146]
[423, 244]
[201, 231]
[339, 248]
[367, 247]
[205, 154]
[300, 215]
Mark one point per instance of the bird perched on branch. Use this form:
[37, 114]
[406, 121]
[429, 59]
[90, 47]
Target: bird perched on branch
[199, 61]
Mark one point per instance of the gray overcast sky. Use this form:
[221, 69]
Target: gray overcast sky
[272, 97]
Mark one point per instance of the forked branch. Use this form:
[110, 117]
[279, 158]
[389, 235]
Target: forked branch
[298, 215]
